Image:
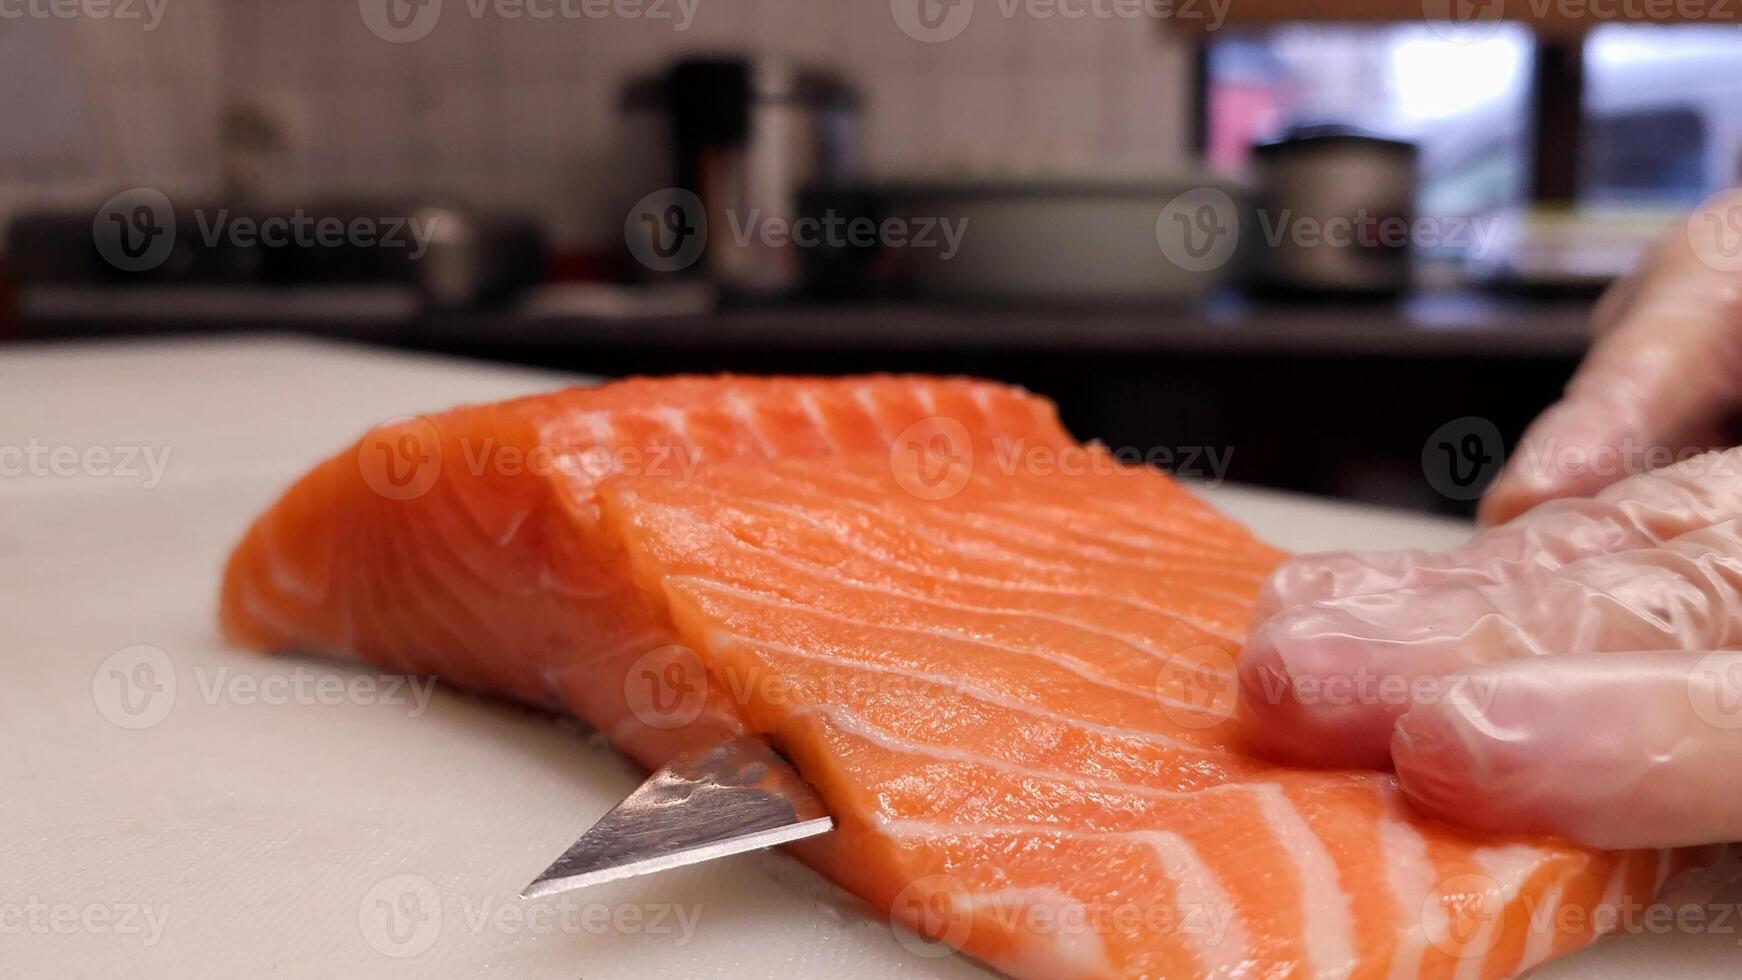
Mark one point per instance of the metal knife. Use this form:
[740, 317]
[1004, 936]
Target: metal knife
[737, 796]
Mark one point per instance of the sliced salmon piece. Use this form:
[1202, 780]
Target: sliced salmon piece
[1004, 660]
[1016, 702]
[467, 544]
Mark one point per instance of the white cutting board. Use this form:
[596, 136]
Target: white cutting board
[293, 830]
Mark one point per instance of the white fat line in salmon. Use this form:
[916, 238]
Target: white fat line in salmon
[1013, 456]
[1001, 534]
[919, 531]
[818, 420]
[1201, 908]
[596, 462]
[1196, 514]
[743, 411]
[854, 724]
[1330, 922]
[969, 690]
[1140, 645]
[1070, 664]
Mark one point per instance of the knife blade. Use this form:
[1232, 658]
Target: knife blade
[737, 796]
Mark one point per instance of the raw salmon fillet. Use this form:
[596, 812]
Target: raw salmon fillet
[1004, 660]
[467, 544]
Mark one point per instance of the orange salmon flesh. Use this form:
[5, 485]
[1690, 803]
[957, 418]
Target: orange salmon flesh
[1004, 659]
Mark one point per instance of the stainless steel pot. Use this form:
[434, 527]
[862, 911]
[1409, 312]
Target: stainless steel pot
[1335, 211]
[744, 136]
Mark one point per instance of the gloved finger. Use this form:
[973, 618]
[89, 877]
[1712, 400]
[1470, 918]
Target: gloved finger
[1617, 751]
[1637, 512]
[1656, 384]
[1323, 684]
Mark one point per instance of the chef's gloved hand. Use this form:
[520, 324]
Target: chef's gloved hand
[1665, 372]
[1561, 673]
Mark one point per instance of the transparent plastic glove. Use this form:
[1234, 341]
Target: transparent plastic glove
[1555, 674]
[1663, 378]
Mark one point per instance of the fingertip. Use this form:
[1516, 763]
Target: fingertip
[1485, 761]
[1435, 766]
[1505, 501]
[1284, 715]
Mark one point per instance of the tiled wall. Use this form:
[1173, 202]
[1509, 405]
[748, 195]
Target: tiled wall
[521, 111]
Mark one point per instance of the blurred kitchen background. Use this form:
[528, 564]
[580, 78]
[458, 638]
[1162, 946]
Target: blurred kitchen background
[1309, 249]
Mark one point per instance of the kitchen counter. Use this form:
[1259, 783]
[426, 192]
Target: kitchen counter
[1427, 325]
[222, 813]
[1457, 324]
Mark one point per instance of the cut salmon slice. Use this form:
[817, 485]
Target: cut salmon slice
[1005, 661]
[1021, 724]
[467, 544]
